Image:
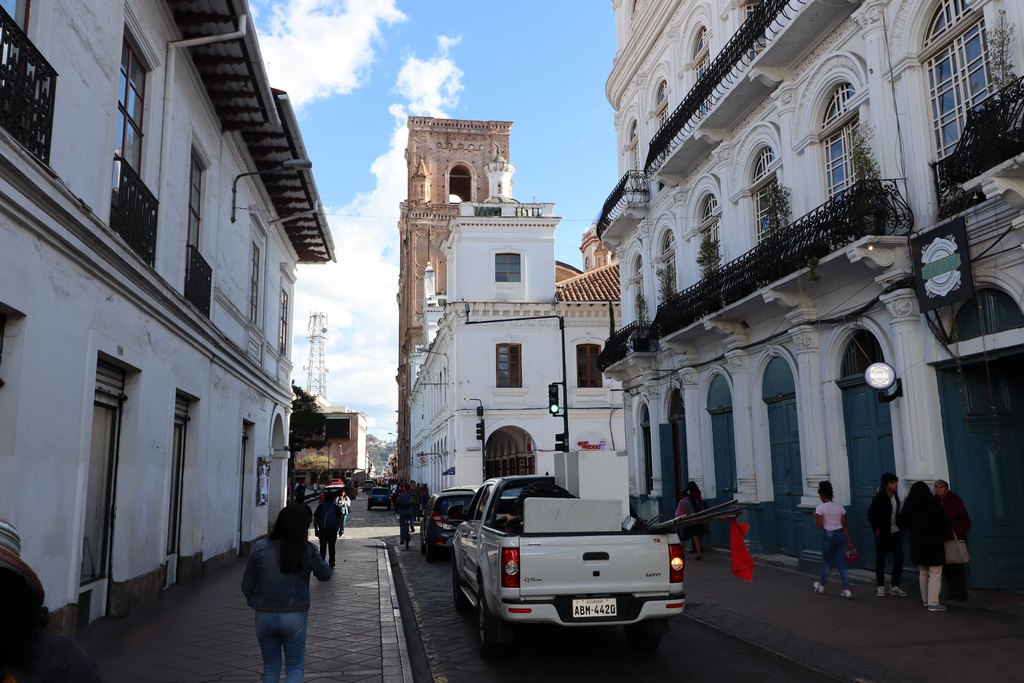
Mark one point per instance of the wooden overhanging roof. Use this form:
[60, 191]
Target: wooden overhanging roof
[236, 82]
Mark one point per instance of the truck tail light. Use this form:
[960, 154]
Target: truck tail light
[435, 517]
[510, 567]
[676, 563]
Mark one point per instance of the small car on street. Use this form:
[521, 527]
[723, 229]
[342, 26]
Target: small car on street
[436, 530]
[378, 496]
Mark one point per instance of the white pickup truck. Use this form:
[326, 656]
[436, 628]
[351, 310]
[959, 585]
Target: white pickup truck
[540, 556]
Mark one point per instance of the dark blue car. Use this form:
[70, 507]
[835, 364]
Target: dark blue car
[378, 495]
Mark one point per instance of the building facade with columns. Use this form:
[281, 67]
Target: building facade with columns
[808, 188]
[512, 322]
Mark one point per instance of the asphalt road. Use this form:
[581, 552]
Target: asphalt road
[443, 648]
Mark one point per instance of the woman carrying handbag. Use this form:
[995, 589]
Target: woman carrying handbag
[836, 543]
[956, 542]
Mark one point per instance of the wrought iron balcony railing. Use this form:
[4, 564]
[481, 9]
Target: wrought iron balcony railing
[994, 132]
[631, 189]
[28, 85]
[869, 207]
[198, 280]
[133, 211]
[741, 49]
[634, 337]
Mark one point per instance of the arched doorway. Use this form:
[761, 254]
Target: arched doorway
[724, 449]
[509, 451]
[779, 394]
[868, 427]
[674, 469]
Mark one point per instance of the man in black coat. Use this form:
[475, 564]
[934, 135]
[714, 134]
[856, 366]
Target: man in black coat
[884, 517]
[327, 524]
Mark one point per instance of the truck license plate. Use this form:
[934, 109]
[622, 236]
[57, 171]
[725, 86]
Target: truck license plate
[593, 607]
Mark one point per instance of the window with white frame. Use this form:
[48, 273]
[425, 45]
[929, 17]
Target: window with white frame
[634, 145]
[254, 283]
[195, 196]
[762, 180]
[701, 62]
[667, 267]
[837, 129]
[282, 327]
[957, 70]
[710, 217]
[661, 103]
[131, 96]
[17, 10]
[507, 268]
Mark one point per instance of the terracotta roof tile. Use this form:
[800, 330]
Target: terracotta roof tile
[599, 284]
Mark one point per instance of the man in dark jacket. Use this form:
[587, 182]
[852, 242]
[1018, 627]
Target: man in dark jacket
[884, 518]
[327, 524]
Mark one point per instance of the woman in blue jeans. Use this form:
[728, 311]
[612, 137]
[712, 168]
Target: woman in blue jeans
[276, 585]
[831, 517]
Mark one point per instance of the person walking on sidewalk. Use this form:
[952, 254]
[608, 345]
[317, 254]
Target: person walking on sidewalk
[691, 503]
[344, 504]
[831, 518]
[959, 523]
[276, 586]
[926, 521]
[327, 524]
[884, 518]
[403, 505]
[417, 503]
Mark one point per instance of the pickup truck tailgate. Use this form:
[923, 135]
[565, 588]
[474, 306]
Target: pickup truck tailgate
[593, 564]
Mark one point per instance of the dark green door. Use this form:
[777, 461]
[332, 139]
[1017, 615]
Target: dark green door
[779, 394]
[983, 423]
[724, 447]
[870, 453]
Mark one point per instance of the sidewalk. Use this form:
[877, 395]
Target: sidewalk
[204, 631]
[874, 639]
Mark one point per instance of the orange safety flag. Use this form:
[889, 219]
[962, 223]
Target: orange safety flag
[742, 562]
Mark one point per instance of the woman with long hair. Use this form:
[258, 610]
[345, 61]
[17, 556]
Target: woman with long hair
[276, 585]
[927, 523]
[830, 517]
[690, 503]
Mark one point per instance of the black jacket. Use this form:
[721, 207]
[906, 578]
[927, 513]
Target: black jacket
[927, 524]
[880, 510]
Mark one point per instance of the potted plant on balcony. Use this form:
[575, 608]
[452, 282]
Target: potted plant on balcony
[640, 340]
[869, 208]
[708, 255]
[666, 279]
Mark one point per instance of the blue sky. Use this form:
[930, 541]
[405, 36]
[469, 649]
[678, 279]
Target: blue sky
[356, 70]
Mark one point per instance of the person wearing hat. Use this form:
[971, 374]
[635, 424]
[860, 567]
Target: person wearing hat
[27, 652]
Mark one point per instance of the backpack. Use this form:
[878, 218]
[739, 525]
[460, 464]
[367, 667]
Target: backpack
[329, 516]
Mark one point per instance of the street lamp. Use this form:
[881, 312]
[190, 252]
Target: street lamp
[286, 165]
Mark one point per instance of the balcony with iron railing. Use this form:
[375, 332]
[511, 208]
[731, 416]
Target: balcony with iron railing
[993, 134]
[869, 207]
[633, 338]
[625, 206]
[28, 87]
[198, 280]
[775, 36]
[133, 211]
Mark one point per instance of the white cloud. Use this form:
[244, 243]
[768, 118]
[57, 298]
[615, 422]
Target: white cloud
[358, 293]
[318, 48]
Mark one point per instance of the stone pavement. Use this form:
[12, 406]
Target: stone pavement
[865, 639]
[204, 631]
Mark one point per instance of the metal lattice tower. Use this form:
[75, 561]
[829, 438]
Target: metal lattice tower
[316, 381]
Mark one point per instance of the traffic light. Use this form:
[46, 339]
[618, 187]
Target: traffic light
[562, 442]
[480, 430]
[554, 405]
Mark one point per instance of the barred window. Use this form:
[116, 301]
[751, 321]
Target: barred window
[195, 194]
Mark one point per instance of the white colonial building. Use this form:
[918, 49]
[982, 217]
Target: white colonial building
[504, 331]
[810, 187]
[154, 203]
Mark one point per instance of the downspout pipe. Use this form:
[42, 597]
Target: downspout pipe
[171, 61]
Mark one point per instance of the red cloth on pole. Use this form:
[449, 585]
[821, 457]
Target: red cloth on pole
[742, 562]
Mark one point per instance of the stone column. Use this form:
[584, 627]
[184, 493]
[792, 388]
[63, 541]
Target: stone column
[918, 409]
[695, 452]
[746, 476]
[811, 411]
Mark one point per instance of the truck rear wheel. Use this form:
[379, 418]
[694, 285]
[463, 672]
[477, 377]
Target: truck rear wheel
[459, 599]
[487, 627]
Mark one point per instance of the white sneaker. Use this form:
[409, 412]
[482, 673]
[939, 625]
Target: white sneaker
[897, 592]
[880, 592]
[846, 594]
[818, 588]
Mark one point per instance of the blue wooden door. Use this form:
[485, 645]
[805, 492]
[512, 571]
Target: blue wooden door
[983, 424]
[674, 474]
[869, 450]
[787, 474]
